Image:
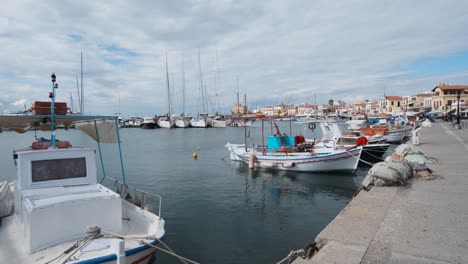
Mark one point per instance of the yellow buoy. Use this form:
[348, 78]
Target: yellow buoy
[195, 155]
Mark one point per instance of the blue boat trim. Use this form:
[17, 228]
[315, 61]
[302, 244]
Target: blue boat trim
[99, 259]
[114, 257]
[142, 247]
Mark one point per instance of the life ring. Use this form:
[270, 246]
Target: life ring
[312, 126]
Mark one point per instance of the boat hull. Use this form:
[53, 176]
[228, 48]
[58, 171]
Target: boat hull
[165, 124]
[304, 162]
[395, 137]
[148, 125]
[374, 152]
[200, 123]
[182, 123]
[218, 123]
[241, 124]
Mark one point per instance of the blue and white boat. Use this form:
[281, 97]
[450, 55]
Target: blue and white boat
[56, 211]
[283, 154]
[61, 214]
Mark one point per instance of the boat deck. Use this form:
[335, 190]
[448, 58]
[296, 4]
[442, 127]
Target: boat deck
[12, 241]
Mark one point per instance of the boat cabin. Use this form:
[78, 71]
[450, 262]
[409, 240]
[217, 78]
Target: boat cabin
[56, 197]
[276, 142]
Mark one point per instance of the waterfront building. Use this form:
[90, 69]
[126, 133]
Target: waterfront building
[267, 111]
[291, 110]
[392, 104]
[304, 110]
[445, 95]
[280, 110]
[359, 107]
[372, 107]
[424, 100]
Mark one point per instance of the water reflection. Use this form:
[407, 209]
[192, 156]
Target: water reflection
[278, 188]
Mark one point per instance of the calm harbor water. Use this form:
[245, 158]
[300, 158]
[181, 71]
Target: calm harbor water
[216, 211]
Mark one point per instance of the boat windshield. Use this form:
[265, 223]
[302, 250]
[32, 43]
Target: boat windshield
[346, 141]
[58, 169]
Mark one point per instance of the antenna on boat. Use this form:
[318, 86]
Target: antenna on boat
[52, 109]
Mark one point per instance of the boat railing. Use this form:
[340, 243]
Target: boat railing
[125, 192]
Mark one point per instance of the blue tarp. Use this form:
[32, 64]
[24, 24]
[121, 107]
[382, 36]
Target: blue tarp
[276, 142]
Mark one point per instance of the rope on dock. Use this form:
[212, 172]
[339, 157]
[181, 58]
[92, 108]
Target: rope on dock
[292, 255]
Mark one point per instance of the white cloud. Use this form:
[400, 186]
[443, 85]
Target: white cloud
[4, 22]
[20, 102]
[278, 49]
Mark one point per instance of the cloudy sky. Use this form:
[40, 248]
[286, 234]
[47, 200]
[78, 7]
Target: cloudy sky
[280, 51]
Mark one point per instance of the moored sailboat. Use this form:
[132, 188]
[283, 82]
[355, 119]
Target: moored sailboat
[167, 121]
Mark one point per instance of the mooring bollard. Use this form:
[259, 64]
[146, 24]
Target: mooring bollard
[416, 136]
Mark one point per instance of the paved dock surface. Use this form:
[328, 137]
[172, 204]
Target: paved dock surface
[425, 222]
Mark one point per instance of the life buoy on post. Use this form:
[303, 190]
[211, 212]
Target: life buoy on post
[312, 126]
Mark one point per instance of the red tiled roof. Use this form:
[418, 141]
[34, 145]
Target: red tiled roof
[424, 95]
[393, 98]
[450, 87]
[360, 104]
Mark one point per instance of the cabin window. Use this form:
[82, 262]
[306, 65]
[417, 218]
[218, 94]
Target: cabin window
[346, 141]
[58, 169]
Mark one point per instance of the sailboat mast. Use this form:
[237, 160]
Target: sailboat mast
[201, 81]
[78, 93]
[82, 90]
[172, 92]
[183, 87]
[216, 83]
[245, 102]
[168, 89]
[238, 103]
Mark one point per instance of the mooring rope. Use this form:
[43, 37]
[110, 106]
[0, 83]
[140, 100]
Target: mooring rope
[366, 162]
[141, 241]
[94, 232]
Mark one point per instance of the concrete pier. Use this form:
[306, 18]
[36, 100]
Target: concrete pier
[425, 222]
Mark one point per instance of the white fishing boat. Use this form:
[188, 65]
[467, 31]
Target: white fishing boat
[309, 160]
[395, 136]
[56, 211]
[284, 152]
[57, 215]
[199, 122]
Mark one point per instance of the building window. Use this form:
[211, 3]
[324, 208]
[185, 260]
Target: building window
[437, 93]
[398, 103]
[449, 102]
